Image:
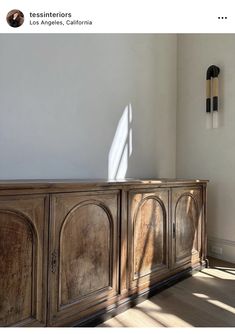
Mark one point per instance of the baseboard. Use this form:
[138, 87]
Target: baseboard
[221, 249]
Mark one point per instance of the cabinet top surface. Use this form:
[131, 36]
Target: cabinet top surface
[80, 183]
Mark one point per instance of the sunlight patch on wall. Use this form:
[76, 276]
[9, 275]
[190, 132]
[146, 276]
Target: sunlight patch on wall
[121, 148]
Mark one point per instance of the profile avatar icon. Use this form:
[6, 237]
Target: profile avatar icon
[15, 18]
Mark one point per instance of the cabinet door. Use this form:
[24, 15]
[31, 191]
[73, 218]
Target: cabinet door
[148, 237]
[187, 215]
[84, 254]
[23, 260]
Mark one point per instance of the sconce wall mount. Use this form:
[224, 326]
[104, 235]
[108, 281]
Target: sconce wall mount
[212, 94]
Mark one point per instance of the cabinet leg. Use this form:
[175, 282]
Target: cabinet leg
[207, 263]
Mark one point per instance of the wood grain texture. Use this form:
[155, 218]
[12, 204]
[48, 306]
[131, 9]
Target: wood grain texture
[16, 265]
[85, 245]
[148, 235]
[123, 244]
[13, 187]
[186, 221]
[22, 268]
[85, 230]
[187, 214]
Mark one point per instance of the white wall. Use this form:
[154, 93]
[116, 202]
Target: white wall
[67, 99]
[62, 98]
[203, 153]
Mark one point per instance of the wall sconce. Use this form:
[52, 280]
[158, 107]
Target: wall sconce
[212, 93]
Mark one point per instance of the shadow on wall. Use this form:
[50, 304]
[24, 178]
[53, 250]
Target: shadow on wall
[121, 148]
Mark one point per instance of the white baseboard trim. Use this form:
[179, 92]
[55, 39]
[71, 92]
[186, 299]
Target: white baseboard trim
[221, 249]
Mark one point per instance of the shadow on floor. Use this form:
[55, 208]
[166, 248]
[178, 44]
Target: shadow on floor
[206, 299]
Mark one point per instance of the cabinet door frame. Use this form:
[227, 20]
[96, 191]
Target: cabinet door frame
[59, 315]
[159, 272]
[195, 257]
[33, 210]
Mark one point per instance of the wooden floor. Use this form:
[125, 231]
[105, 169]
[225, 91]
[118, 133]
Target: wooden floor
[207, 299]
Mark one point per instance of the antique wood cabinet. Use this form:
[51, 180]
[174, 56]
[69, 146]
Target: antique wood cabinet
[72, 250]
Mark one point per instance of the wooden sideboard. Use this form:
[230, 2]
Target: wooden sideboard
[73, 251]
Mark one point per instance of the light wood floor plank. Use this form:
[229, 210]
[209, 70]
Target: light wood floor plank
[207, 299]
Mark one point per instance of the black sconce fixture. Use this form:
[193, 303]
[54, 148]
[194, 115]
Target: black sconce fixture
[212, 93]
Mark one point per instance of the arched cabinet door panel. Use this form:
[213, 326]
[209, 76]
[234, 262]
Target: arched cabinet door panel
[23, 245]
[147, 237]
[186, 227]
[84, 254]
